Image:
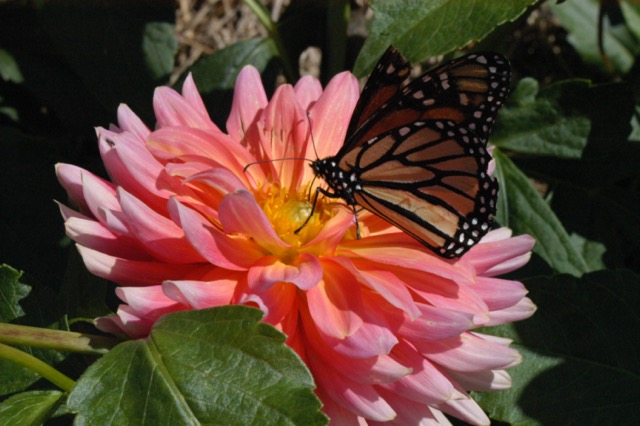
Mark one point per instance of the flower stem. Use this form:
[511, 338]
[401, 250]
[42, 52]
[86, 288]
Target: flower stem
[40, 367]
[69, 341]
[263, 16]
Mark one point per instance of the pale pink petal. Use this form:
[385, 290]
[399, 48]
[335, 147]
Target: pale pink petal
[308, 90]
[304, 271]
[361, 399]
[332, 233]
[331, 113]
[467, 410]
[498, 293]
[240, 213]
[103, 203]
[518, 312]
[129, 122]
[499, 257]
[203, 294]
[277, 302]
[384, 283]
[482, 381]
[412, 255]
[214, 245]
[135, 169]
[337, 413]
[172, 110]
[132, 272]
[162, 237]
[411, 412]
[469, 353]
[248, 99]
[192, 96]
[335, 302]
[425, 383]
[283, 135]
[70, 177]
[89, 233]
[436, 324]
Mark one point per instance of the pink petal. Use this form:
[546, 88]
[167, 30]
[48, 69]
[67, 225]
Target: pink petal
[331, 113]
[172, 110]
[249, 99]
[308, 90]
[172, 143]
[518, 312]
[160, 235]
[304, 271]
[362, 400]
[217, 291]
[334, 303]
[70, 177]
[131, 272]
[216, 247]
[467, 410]
[482, 381]
[384, 283]
[405, 253]
[129, 122]
[436, 324]
[278, 302]
[498, 293]
[331, 233]
[425, 383]
[240, 213]
[89, 233]
[410, 412]
[284, 135]
[135, 169]
[499, 257]
[100, 196]
[192, 96]
[469, 353]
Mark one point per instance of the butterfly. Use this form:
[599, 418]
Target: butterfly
[416, 154]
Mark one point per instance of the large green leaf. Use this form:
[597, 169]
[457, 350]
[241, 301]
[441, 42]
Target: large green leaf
[580, 354]
[30, 408]
[214, 366]
[421, 29]
[565, 120]
[528, 213]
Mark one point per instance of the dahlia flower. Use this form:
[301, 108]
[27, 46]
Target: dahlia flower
[384, 325]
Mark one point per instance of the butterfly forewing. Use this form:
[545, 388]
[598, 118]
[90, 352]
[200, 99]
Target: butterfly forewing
[416, 155]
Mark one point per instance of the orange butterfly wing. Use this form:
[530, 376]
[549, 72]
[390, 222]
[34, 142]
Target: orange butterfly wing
[416, 155]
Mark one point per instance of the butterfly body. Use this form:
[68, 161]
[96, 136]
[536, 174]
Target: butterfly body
[416, 154]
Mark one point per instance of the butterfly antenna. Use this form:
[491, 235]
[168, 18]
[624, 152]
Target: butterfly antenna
[253, 163]
[313, 141]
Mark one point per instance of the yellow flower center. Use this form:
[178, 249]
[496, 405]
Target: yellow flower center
[287, 211]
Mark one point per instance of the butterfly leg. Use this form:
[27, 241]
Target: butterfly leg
[315, 202]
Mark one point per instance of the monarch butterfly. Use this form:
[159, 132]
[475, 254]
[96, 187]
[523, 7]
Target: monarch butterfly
[416, 154]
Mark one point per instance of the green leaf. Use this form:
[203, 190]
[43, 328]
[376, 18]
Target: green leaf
[11, 292]
[528, 213]
[213, 366]
[160, 46]
[571, 119]
[580, 19]
[30, 408]
[215, 74]
[421, 29]
[542, 123]
[580, 354]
